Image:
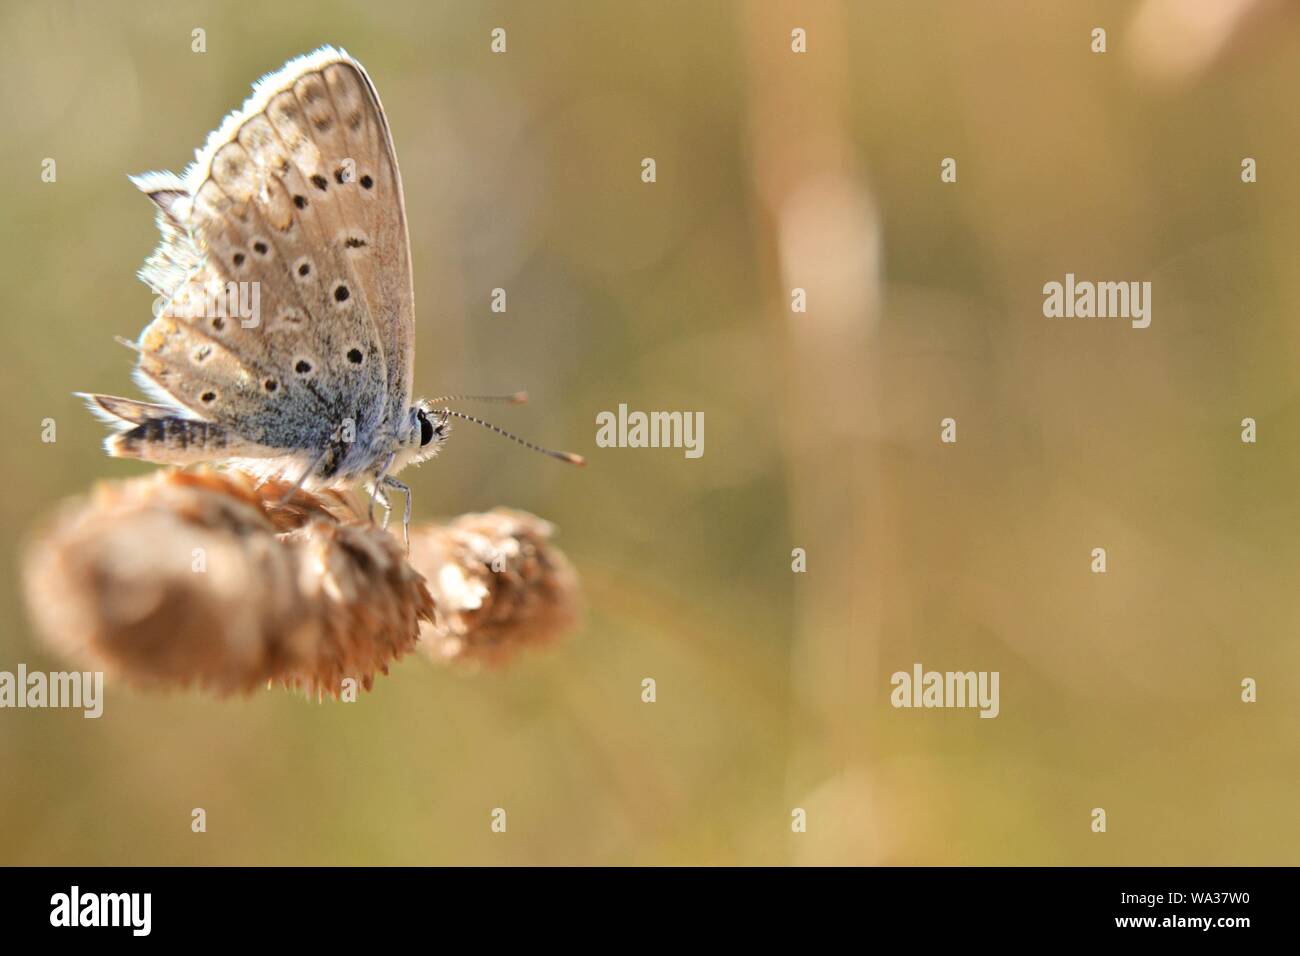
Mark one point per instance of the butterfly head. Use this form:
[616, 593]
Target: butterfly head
[426, 430]
[429, 422]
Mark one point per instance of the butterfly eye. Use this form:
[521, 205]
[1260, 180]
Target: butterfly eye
[426, 429]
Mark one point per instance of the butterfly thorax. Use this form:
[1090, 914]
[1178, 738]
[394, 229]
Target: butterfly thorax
[418, 436]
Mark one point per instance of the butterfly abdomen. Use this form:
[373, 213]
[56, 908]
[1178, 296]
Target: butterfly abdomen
[175, 441]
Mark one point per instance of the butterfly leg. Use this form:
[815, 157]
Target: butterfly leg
[376, 490]
[406, 514]
[377, 494]
[307, 472]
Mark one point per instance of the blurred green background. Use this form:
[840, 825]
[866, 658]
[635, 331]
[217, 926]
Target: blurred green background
[775, 171]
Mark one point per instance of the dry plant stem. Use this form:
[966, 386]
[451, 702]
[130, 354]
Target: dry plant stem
[201, 578]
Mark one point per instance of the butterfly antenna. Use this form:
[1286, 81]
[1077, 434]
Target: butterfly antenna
[518, 398]
[561, 455]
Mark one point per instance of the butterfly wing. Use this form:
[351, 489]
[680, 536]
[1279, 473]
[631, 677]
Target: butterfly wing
[285, 271]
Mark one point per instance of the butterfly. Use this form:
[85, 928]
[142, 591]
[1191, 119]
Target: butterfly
[283, 339]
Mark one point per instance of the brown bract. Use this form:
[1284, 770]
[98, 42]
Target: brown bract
[200, 578]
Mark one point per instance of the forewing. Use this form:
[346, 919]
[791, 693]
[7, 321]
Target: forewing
[293, 210]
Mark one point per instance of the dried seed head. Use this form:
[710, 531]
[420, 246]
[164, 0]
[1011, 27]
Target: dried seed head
[498, 586]
[198, 578]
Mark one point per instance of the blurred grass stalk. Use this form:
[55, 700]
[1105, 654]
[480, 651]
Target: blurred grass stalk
[1174, 43]
[820, 231]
